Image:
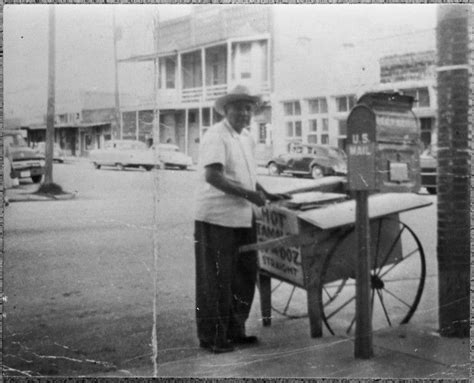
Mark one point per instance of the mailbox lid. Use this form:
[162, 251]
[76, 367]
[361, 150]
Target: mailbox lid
[394, 118]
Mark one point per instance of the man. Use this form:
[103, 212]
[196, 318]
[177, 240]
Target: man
[228, 193]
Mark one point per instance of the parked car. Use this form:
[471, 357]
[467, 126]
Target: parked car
[25, 162]
[171, 156]
[429, 169]
[124, 154]
[309, 159]
[58, 153]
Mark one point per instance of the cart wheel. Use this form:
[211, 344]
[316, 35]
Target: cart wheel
[397, 277]
[289, 300]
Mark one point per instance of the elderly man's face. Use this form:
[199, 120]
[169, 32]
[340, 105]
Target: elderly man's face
[238, 114]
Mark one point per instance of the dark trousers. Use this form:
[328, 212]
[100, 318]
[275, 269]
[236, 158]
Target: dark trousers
[225, 281]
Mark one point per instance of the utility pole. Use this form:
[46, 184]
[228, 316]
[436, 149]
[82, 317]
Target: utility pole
[117, 35]
[454, 169]
[156, 74]
[48, 177]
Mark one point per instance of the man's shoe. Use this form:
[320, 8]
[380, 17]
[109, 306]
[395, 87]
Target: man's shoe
[251, 339]
[217, 349]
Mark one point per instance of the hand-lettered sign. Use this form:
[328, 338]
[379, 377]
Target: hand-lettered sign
[283, 262]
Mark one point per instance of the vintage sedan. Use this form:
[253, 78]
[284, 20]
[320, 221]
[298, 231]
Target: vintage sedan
[124, 154]
[170, 156]
[310, 160]
[58, 153]
[429, 169]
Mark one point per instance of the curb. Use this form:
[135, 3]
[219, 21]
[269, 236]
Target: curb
[31, 197]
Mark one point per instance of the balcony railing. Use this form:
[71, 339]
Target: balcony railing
[203, 94]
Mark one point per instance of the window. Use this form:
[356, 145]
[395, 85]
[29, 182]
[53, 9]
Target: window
[313, 125]
[262, 133]
[293, 124]
[318, 105]
[292, 108]
[345, 103]
[324, 139]
[421, 96]
[293, 129]
[289, 129]
[342, 127]
[245, 61]
[298, 130]
[325, 125]
[191, 69]
[167, 78]
[312, 139]
[170, 69]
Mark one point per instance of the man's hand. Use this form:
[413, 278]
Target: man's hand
[256, 197]
[272, 197]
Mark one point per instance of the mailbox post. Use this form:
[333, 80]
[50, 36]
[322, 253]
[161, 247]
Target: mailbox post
[383, 156]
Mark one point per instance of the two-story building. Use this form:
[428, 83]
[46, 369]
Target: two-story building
[308, 70]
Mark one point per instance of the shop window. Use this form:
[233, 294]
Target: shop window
[88, 139]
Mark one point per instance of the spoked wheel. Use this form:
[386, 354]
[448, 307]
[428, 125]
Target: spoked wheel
[397, 278]
[289, 300]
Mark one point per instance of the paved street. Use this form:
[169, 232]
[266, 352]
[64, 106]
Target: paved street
[79, 274]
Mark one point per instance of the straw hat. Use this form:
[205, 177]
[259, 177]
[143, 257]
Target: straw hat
[239, 93]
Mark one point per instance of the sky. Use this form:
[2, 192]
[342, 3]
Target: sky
[84, 45]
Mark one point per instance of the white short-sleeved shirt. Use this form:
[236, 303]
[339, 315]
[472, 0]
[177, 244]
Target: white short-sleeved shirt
[222, 144]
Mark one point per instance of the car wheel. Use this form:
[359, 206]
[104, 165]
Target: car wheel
[36, 179]
[120, 167]
[431, 189]
[96, 165]
[183, 167]
[273, 169]
[148, 167]
[316, 172]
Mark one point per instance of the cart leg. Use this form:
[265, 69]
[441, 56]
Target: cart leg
[314, 295]
[266, 299]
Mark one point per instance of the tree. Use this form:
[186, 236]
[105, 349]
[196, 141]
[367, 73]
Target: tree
[453, 169]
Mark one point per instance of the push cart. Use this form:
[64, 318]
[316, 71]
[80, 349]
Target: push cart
[307, 254]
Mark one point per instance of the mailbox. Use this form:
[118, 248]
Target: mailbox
[383, 144]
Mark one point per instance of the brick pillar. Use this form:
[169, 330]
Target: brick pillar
[454, 169]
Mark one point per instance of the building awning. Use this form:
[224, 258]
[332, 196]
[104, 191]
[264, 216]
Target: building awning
[68, 126]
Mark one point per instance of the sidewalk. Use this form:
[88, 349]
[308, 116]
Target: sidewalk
[26, 193]
[286, 350]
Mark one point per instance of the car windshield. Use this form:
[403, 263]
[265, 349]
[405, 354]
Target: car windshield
[15, 140]
[336, 152]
